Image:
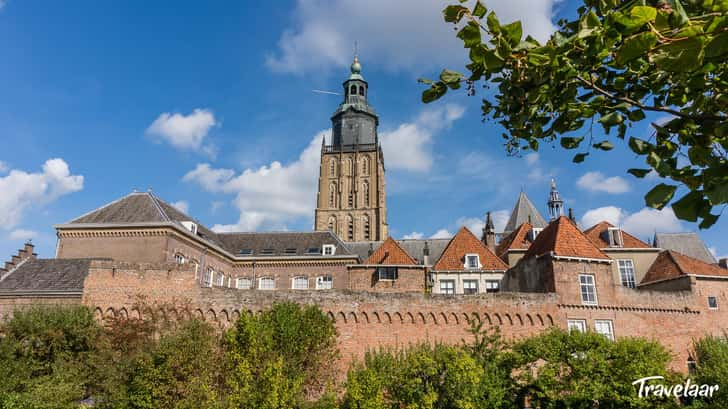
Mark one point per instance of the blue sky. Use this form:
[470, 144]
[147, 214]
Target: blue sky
[210, 105]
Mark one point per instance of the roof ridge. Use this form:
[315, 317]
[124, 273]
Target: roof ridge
[17, 266]
[675, 261]
[102, 207]
[163, 213]
[397, 246]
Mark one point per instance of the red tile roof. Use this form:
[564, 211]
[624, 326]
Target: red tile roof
[564, 239]
[391, 253]
[465, 242]
[517, 240]
[671, 264]
[596, 235]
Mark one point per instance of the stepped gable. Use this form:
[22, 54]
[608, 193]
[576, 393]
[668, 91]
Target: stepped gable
[142, 208]
[597, 233]
[670, 265]
[46, 275]
[689, 244]
[516, 240]
[390, 252]
[564, 239]
[256, 244]
[463, 243]
[524, 212]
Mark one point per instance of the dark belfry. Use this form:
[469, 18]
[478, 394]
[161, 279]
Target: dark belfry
[351, 197]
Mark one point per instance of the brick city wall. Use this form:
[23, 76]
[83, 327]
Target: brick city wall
[370, 320]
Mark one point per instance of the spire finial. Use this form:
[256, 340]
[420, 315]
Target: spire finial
[355, 66]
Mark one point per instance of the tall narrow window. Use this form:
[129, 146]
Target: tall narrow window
[349, 166]
[352, 90]
[365, 165]
[350, 228]
[351, 198]
[626, 273]
[588, 289]
[332, 223]
[207, 280]
[332, 168]
[365, 193]
[332, 195]
[365, 222]
[361, 90]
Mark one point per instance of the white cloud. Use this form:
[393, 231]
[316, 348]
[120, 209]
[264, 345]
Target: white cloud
[184, 132]
[22, 234]
[3, 166]
[398, 35]
[714, 252]
[269, 196]
[20, 190]
[181, 205]
[500, 219]
[642, 223]
[2, 4]
[414, 235]
[441, 234]
[531, 158]
[216, 205]
[473, 224]
[598, 182]
[409, 147]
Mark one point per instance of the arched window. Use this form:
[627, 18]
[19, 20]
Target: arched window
[324, 282]
[365, 165]
[361, 90]
[350, 228]
[352, 90]
[332, 223]
[365, 221]
[243, 283]
[349, 166]
[300, 283]
[267, 283]
[179, 258]
[332, 168]
[332, 195]
[365, 193]
[220, 279]
[207, 280]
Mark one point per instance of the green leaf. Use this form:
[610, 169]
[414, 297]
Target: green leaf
[635, 46]
[470, 34]
[644, 14]
[639, 146]
[437, 90]
[604, 145]
[579, 157]
[538, 59]
[611, 119]
[708, 220]
[454, 13]
[688, 207]
[493, 23]
[640, 173]
[660, 195]
[513, 32]
[680, 56]
[425, 81]
[449, 76]
[493, 62]
[570, 142]
[479, 10]
[718, 195]
[717, 46]
[636, 115]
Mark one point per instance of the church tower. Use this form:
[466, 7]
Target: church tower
[351, 199]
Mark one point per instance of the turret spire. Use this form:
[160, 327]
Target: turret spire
[555, 204]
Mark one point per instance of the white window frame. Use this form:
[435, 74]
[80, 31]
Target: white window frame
[490, 288]
[239, 283]
[297, 280]
[325, 282]
[593, 285]
[179, 258]
[714, 298]
[467, 265]
[266, 279]
[615, 237]
[328, 250]
[191, 226]
[626, 265]
[208, 278]
[535, 232]
[477, 287]
[451, 282]
[220, 279]
[576, 324]
[604, 327]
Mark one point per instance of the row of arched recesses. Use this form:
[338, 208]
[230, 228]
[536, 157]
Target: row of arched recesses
[441, 318]
[225, 316]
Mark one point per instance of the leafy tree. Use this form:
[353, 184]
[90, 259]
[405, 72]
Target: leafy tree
[45, 355]
[618, 61]
[712, 369]
[558, 369]
[280, 357]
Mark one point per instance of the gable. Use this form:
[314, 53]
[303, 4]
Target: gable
[562, 238]
[465, 242]
[390, 253]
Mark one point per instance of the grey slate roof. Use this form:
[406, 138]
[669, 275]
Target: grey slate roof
[141, 207]
[689, 244]
[524, 211]
[279, 242]
[46, 275]
[413, 247]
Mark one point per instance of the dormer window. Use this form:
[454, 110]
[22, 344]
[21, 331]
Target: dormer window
[615, 237]
[313, 250]
[267, 252]
[191, 226]
[535, 232]
[472, 261]
[329, 249]
[246, 252]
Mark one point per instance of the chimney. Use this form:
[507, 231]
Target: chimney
[723, 263]
[571, 214]
[426, 255]
[488, 238]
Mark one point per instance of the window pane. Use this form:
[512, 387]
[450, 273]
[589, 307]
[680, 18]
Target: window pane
[447, 287]
[243, 283]
[712, 302]
[387, 273]
[324, 283]
[267, 283]
[470, 286]
[604, 327]
[577, 325]
[588, 289]
[626, 273]
[492, 286]
[300, 283]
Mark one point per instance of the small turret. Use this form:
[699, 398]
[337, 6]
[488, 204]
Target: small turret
[488, 237]
[555, 204]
